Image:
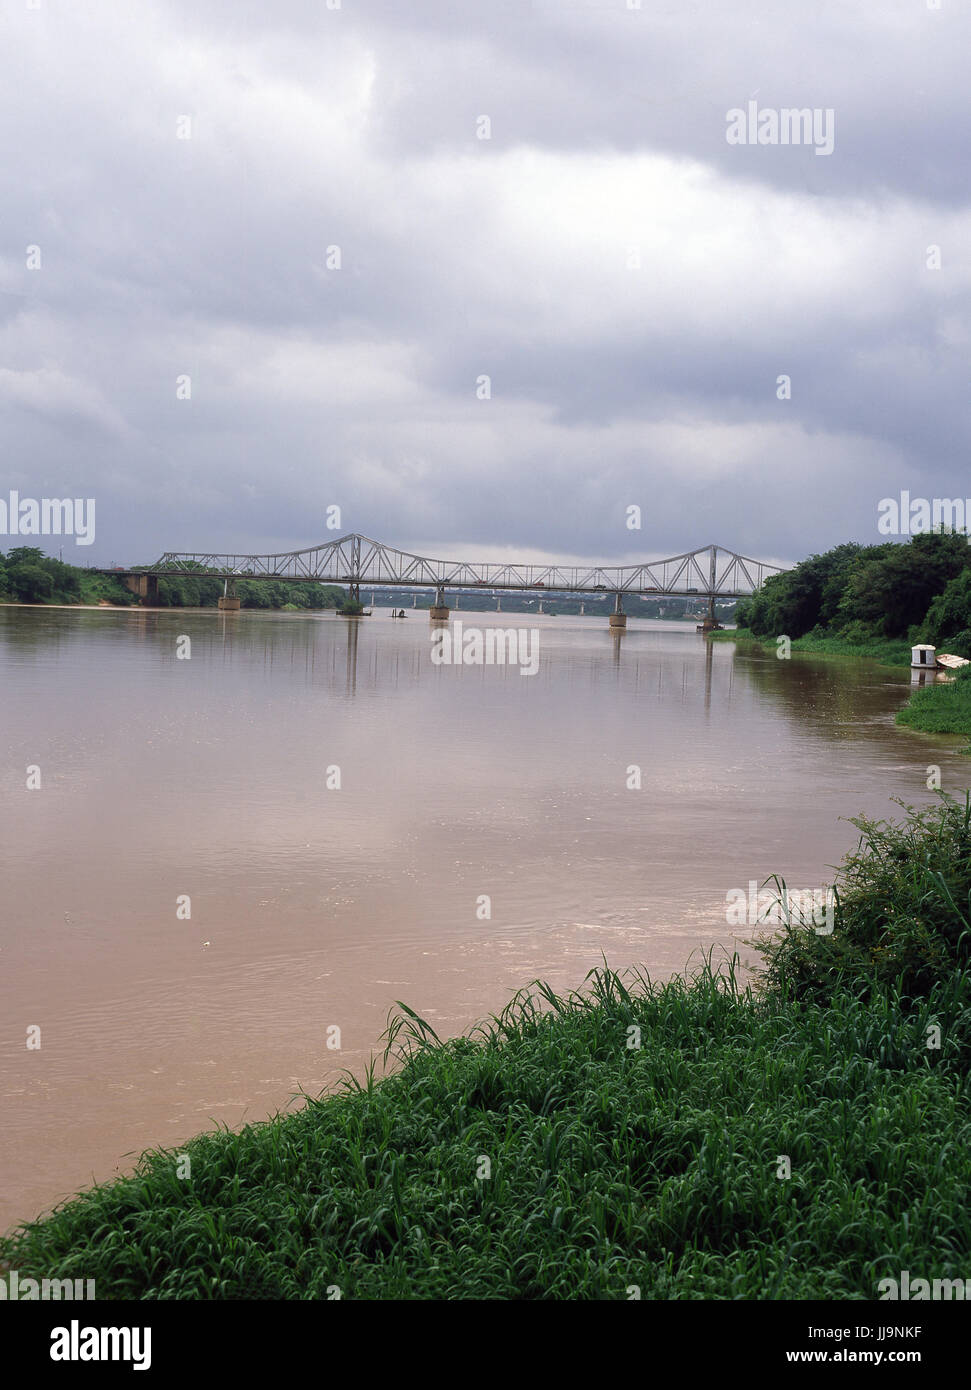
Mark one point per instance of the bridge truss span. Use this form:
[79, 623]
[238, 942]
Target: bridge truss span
[712, 571]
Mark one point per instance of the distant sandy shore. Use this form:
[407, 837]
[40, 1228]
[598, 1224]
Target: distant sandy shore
[141, 608]
[92, 607]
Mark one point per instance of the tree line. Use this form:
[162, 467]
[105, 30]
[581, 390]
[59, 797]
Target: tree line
[860, 594]
[27, 575]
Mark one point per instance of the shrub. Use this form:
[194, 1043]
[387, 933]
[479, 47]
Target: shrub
[902, 912]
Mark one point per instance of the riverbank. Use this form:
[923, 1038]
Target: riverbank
[136, 607]
[941, 708]
[683, 1140]
[886, 653]
[102, 607]
[28, 576]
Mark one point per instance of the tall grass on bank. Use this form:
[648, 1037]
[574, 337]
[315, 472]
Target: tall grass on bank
[630, 1135]
[903, 913]
[941, 708]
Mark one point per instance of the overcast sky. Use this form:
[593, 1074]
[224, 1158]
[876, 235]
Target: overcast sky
[632, 284]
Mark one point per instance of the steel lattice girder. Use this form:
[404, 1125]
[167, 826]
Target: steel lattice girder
[355, 559]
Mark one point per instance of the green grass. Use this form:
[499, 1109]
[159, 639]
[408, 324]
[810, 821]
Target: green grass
[942, 708]
[886, 651]
[902, 917]
[609, 1165]
[97, 587]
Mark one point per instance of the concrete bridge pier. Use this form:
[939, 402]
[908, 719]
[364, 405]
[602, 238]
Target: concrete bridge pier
[711, 623]
[145, 586]
[618, 618]
[229, 603]
[438, 613]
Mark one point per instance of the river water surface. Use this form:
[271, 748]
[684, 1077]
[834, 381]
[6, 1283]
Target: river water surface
[314, 907]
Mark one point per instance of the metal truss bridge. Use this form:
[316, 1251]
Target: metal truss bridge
[711, 572]
[352, 561]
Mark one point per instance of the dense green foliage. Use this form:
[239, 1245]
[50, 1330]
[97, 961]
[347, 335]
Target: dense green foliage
[902, 918]
[877, 601]
[27, 575]
[614, 1159]
[948, 620]
[199, 591]
[857, 594]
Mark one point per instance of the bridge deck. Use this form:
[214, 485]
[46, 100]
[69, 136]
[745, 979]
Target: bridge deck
[711, 571]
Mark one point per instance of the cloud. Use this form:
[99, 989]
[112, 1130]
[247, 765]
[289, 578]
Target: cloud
[62, 399]
[632, 286]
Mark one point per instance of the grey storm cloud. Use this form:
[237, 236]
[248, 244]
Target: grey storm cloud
[632, 284]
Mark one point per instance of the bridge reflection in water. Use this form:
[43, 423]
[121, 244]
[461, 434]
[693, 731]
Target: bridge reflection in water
[353, 648]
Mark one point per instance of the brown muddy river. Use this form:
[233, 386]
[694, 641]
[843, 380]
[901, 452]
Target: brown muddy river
[314, 907]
